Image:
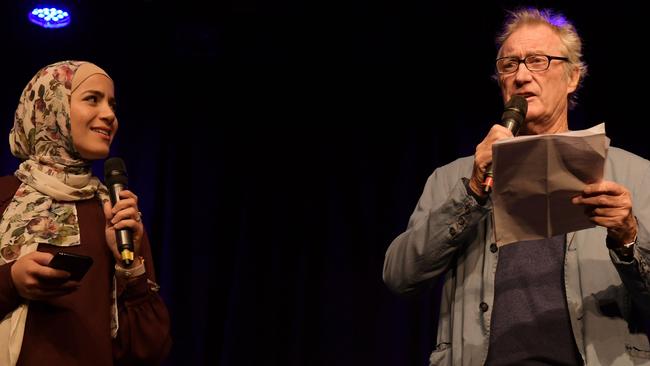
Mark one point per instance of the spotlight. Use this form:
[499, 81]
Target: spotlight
[50, 16]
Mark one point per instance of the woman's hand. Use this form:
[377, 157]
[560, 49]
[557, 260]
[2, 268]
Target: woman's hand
[34, 280]
[125, 215]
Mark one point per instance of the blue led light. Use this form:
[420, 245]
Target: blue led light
[49, 17]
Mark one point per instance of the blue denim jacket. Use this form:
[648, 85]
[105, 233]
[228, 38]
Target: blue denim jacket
[450, 234]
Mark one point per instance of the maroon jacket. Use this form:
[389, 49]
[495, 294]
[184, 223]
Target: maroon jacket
[75, 329]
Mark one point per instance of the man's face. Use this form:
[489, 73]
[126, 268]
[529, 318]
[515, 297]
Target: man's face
[546, 91]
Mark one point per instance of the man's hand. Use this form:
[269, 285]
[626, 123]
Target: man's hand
[483, 158]
[609, 204]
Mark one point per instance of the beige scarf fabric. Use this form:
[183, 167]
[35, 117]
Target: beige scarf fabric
[53, 177]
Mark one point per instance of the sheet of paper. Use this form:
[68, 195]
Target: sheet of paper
[535, 178]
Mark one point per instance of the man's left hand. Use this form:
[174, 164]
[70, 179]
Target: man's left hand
[609, 204]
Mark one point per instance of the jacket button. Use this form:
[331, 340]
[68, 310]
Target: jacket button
[484, 307]
[452, 231]
[493, 248]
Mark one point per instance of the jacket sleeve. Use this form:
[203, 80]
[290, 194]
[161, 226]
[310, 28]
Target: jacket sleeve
[144, 333]
[444, 220]
[635, 274]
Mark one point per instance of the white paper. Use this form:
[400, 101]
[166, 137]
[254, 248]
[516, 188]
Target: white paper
[535, 178]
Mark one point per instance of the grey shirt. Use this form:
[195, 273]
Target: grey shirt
[530, 320]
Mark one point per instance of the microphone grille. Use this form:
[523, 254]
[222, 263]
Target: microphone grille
[517, 104]
[115, 171]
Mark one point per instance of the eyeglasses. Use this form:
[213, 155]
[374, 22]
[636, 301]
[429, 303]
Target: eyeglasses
[510, 64]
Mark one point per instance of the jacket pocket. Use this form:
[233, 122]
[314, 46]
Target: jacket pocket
[441, 355]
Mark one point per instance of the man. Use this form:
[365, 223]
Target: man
[572, 299]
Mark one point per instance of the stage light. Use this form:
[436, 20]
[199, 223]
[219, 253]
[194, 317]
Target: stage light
[50, 16]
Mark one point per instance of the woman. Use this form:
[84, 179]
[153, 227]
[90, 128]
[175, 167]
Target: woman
[53, 203]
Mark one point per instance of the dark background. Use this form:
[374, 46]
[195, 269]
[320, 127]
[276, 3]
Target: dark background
[279, 146]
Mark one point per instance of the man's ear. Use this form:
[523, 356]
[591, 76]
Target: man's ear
[574, 79]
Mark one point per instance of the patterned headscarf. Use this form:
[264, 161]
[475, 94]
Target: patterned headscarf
[53, 174]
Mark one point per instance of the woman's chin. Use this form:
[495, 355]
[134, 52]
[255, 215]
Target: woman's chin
[94, 155]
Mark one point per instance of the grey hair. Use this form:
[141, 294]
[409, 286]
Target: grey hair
[561, 26]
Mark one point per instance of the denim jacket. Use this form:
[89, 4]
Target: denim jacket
[450, 234]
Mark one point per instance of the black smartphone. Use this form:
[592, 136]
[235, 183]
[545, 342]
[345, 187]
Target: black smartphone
[76, 264]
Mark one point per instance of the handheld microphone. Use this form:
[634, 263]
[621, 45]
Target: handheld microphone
[513, 115]
[116, 180]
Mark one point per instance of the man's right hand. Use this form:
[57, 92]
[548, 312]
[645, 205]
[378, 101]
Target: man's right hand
[483, 157]
[34, 280]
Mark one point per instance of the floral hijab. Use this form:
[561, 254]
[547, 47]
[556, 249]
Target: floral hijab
[53, 174]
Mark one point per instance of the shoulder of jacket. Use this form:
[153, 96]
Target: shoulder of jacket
[616, 153]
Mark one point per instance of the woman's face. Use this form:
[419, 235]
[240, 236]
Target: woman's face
[92, 117]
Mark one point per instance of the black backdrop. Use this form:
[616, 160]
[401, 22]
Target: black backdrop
[279, 146]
